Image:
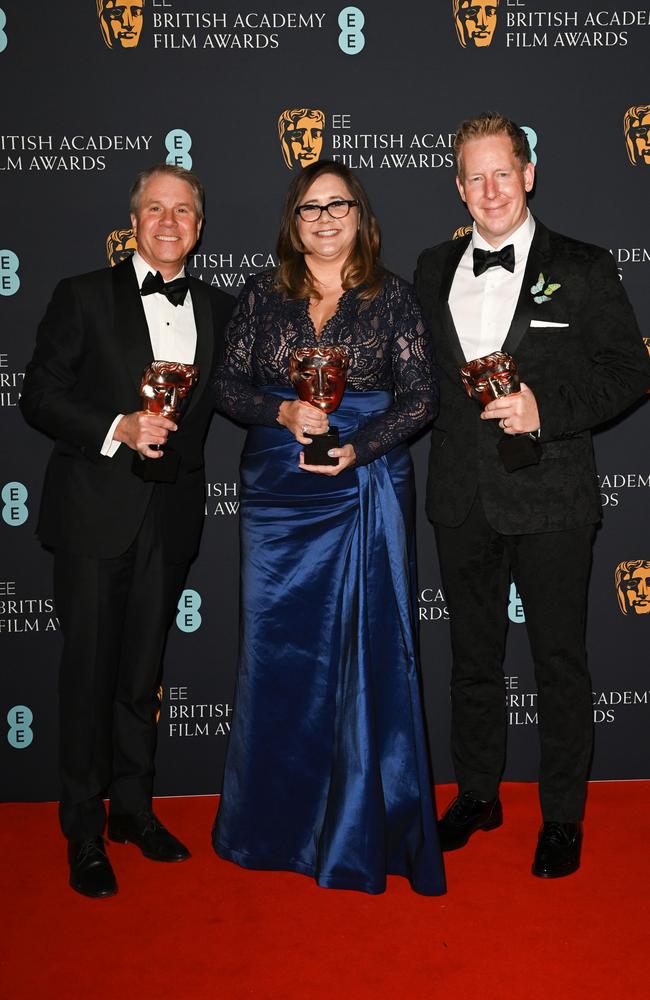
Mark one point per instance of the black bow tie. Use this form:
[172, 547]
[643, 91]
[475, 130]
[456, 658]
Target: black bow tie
[175, 290]
[483, 259]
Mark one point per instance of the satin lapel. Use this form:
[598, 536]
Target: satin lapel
[131, 330]
[524, 310]
[204, 337]
[457, 250]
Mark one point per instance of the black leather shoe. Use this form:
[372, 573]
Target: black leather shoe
[465, 816]
[558, 850]
[147, 832]
[90, 870]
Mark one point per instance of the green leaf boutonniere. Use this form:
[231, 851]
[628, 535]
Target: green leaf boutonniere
[541, 293]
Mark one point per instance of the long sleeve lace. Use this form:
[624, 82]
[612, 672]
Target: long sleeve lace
[386, 339]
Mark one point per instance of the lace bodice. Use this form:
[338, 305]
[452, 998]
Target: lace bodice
[387, 342]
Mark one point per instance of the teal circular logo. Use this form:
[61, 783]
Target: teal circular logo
[3, 33]
[9, 280]
[178, 143]
[531, 135]
[189, 618]
[14, 508]
[351, 38]
[20, 733]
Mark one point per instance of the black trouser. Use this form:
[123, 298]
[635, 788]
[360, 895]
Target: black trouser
[114, 614]
[551, 572]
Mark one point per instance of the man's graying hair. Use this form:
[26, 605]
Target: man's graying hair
[173, 171]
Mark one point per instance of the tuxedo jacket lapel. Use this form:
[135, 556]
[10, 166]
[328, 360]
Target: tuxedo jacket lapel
[204, 337]
[131, 330]
[457, 250]
[524, 310]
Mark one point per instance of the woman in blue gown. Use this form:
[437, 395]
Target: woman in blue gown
[327, 770]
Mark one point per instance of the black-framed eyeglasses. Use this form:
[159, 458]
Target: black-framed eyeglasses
[336, 209]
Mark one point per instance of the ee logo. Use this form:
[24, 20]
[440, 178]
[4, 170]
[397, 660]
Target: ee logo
[189, 618]
[9, 280]
[20, 733]
[351, 39]
[531, 135]
[3, 33]
[14, 510]
[178, 143]
[515, 607]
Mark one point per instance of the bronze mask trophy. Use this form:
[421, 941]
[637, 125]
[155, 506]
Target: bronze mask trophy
[165, 390]
[318, 375]
[486, 379]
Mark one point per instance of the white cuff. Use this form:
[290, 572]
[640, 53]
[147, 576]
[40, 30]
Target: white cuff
[110, 446]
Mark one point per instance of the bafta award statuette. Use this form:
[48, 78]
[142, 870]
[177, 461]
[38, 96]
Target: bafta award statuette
[165, 390]
[486, 379]
[318, 375]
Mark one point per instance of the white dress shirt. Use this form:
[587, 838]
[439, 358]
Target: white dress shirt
[482, 307]
[172, 331]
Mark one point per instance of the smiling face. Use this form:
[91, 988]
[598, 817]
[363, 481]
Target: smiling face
[328, 239]
[166, 225]
[494, 185]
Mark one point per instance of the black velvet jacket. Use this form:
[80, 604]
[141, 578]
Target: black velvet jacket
[582, 374]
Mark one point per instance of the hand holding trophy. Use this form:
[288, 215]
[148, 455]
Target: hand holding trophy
[486, 379]
[319, 375]
[165, 390]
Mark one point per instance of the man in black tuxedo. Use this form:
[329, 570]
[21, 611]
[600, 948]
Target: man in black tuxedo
[558, 307]
[122, 542]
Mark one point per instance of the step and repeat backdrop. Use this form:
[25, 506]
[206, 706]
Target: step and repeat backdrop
[246, 96]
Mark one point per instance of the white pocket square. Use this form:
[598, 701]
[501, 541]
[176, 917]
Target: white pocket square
[538, 323]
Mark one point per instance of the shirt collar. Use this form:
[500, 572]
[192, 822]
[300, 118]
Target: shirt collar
[142, 269]
[520, 239]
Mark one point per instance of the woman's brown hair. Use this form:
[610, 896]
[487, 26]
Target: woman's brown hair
[362, 266]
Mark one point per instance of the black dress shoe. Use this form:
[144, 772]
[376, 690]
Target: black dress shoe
[90, 870]
[147, 832]
[465, 816]
[558, 850]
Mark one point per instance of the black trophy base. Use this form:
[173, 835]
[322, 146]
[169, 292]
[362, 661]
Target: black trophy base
[157, 470]
[519, 451]
[316, 452]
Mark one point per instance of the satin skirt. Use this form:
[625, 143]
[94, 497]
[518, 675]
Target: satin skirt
[327, 770]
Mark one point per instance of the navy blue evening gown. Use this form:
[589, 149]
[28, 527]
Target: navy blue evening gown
[327, 770]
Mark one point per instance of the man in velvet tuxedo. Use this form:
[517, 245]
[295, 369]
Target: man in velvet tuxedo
[122, 543]
[557, 306]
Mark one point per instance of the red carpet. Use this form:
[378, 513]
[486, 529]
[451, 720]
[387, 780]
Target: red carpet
[206, 929]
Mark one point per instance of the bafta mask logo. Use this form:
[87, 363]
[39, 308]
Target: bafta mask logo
[636, 124]
[475, 22]
[120, 244]
[301, 135]
[120, 22]
[633, 586]
[461, 231]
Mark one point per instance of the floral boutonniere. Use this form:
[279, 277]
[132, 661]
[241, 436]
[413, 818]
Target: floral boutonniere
[541, 293]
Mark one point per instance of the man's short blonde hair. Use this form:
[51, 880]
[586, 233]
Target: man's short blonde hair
[491, 123]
